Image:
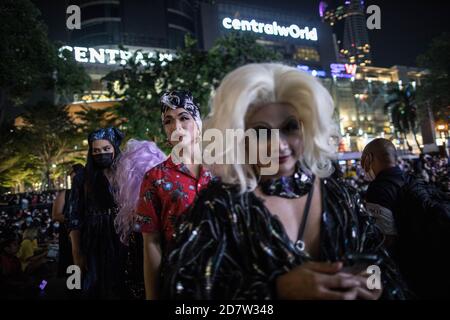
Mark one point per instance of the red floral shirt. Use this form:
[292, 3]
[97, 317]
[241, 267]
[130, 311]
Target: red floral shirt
[166, 192]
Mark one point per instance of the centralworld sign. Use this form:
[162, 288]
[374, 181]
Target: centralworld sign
[274, 28]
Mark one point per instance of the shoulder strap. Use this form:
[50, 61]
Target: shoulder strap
[306, 210]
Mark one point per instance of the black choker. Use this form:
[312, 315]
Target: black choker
[295, 186]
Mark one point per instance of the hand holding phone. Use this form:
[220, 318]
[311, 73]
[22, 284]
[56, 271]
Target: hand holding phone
[358, 263]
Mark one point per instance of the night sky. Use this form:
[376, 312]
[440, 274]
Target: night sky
[406, 26]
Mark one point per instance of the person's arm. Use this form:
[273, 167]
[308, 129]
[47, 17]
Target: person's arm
[74, 220]
[317, 281]
[58, 206]
[77, 256]
[148, 217]
[381, 200]
[152, 264]
[392, 283]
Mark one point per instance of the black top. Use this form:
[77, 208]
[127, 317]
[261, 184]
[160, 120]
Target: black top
[83, 206]
[385, 188]
[232, 247]
[99, 241]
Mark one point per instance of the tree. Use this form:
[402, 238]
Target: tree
[18, 177]
[434, 91]
[139, 87]
[27, 55]
[403, 110]
[49, 138]
[235, 50]
[92, 118]
[32, 65]
[16, 163]
[69, 76]
[30, 62]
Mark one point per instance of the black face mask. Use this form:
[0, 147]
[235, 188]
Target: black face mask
[103, 160]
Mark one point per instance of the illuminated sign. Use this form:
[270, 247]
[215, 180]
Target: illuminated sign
[313, 72]
[112, 56]
[343, 70]
[293, 31]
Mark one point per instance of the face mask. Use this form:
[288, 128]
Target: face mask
[369, 176]
[103, 160]
[56, 225]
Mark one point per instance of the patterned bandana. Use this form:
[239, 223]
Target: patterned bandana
[181, 99]
[111, 134]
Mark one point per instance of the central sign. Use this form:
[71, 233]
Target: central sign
[293, 31]
[112, 56]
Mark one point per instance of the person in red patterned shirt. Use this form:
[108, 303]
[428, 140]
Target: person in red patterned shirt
[170, 188]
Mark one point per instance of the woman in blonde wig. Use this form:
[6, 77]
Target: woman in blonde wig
[297, 234]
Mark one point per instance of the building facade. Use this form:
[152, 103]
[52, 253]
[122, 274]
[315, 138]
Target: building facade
[306, 39]
[299, 36]
[348, 20]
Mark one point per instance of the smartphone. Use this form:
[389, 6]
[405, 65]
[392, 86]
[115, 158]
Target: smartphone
[357, 263]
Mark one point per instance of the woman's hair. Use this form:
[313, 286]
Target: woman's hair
[96, 185]
[258, 84]
[137, 158]
[97, 188]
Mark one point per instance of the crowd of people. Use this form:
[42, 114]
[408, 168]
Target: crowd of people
[433, 169]
[29, 250]
[140, 224]
[26, 200]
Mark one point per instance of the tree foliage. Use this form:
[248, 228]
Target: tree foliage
[139, 87]
[435, 89]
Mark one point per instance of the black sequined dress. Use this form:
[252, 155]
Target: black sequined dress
[231, 247]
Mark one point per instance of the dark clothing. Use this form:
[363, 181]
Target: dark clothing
[231, 247]
[65, 258]
[134, 268]
[10, 266]
[384, 189]
[421, 217]
[100, 244]
[14, 284]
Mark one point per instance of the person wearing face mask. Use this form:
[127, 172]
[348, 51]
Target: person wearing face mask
[379, 161]
[96, 246]
[168, 189]
[414, 217]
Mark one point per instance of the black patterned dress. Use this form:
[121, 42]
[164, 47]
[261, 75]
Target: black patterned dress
[231, 247]
[99, 242]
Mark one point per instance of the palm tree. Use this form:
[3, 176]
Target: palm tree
[403, 110]
[91, 119]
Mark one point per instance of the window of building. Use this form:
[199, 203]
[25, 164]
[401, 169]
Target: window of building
[306, 54]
